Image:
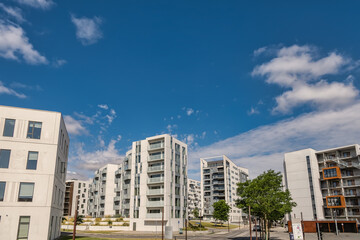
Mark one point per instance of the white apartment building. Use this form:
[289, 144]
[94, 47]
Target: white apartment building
[101, 192]
[219, 178]
[33, 159]
[325, 184]
[157, 168]
[76, 188]
[194, 197]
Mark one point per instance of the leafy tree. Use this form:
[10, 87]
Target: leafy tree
[266, 198]
[221, 210]
[79, 219]
[196, 212]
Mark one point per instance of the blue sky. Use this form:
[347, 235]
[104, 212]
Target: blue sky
[250, 80]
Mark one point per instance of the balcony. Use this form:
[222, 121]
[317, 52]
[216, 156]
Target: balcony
[159, 191]
[117, 189]
[126, 205]
[154, 215]
[155, 180]
[117, 198]
[102, 201]
[156, 168]
[156, 146]
[127, 177]
[155, 204]
[116, 207]
[156, 157]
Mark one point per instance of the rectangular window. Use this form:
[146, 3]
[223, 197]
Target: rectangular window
[4, 158]
[26, 192]
[2, 190]
[32, 160]
[9, 128]
[34, 130]
[24, 224]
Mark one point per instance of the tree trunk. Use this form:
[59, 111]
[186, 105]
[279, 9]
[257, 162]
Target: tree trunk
[266, 228]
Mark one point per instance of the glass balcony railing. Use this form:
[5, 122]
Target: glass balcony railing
[156, 180]
[156, 145]
[154, 215]
[156, 168]
[155, 191]
[155, 204]
[155, 157]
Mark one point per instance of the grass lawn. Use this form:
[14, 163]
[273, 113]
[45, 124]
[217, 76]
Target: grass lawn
[94, 238]
[212, 225]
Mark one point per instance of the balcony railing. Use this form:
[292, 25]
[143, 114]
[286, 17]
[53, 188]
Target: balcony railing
[157, 145]
[126, 205]
[154, 215]
[127, 176]
[156, 180]
[156, 157]
[155, 204]
[156, 168]
[117, 198]
[155, 191]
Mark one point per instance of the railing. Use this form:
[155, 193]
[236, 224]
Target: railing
[155, 191]
[158, 145]
[155, 204]
[156, 180]
[156, 168]
[117, 198]
[154, 215]
[126, 205]
[156, 157]
[127, 176]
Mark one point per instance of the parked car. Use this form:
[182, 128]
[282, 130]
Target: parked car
[257, 228]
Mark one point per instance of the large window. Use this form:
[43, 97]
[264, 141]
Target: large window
[32, 160]
[4, 158]
[34, 130]
[26, 192]
[2, 190]
[9, 128]
[24, 224]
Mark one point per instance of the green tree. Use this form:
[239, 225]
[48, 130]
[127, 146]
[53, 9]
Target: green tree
[196, 212]
[79, 219]
[221, 211]
[266, 198]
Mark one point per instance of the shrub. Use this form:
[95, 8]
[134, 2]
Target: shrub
[125, 224]
[116, 216]
[109, 222]
[108, 216]
[120, 219]
[97, 220]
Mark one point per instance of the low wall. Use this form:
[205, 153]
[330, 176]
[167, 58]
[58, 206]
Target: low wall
[96, 228]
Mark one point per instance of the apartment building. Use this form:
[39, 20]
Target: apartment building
[33, 160]
[194, 197]
[219, 178]
[157, 167]
[76, 188]
[325, 184]
[101, 192]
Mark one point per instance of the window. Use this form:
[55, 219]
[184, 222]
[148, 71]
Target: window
[2, 190]
[9, 128]
[34, 130]
[23, 230]
[32, 160]
[26, 192]
[4, 158]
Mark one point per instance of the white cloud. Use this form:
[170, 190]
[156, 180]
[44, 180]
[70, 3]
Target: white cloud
[253, 111]
[9, 91]
[95, 159]
[43, 4]
[262, 148]
[13, 12]
[59, 62]
[110, 117]
[87, 29]
[259, 51]
[299, 69]
[73, 126]
[103, 106]
[189, 111]
[171, 128]
[14, 43]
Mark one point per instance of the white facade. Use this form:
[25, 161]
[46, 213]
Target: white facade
[74, 189]
[219, 178]
[194, 197]
[33, 159]
[101, 192]
[304, 177]
[158, 170]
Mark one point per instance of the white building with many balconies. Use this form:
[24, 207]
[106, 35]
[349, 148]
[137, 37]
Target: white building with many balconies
[102, 192]
[33, 160]
[219, 178]
[194, 197]
[76, 189]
